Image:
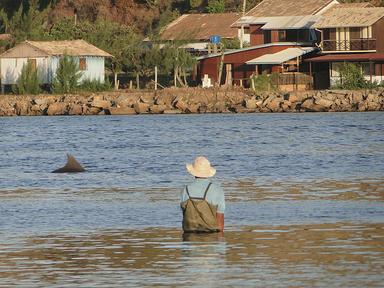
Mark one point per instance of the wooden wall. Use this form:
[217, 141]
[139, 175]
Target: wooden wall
[240, 69]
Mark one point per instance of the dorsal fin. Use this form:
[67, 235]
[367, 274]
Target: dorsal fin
[71, 166]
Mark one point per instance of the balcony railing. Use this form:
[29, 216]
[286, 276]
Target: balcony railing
[349, 45]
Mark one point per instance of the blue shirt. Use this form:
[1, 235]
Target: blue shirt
[215, 195]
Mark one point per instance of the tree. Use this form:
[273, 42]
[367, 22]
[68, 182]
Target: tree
[26, 23]
[178, 61]
[118, 40]
[28, 81]
[67, 75]
[216, 6]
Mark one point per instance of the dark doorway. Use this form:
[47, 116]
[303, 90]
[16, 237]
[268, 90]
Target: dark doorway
[321, 75]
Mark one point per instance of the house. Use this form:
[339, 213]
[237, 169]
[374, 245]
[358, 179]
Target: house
[349, 33]
[45, 56]
[196, 30]
[280, 35]
[279, 12]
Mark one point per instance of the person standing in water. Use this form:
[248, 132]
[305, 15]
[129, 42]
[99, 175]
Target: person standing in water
[202, 202]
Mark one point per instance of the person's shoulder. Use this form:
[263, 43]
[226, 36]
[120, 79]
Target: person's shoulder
[216, 185]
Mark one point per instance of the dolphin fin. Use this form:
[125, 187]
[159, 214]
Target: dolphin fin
[71, 166]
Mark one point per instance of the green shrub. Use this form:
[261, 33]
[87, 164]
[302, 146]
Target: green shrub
[67, 76]
[351, 78]
[263, 82]
[28, 81]
[216, 6]
[95, 85]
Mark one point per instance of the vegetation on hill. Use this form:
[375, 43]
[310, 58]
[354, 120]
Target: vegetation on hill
[116, 26]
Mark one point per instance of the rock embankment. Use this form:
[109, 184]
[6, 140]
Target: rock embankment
[191, 100]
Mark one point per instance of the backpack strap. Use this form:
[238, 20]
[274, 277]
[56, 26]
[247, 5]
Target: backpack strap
[206, 190]
[205, 193]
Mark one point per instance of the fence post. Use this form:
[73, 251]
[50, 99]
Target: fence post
[155, 78]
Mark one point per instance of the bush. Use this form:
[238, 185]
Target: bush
[264, 82]
[351, 78]
[67, 76]
[28, 81]
[95, 85]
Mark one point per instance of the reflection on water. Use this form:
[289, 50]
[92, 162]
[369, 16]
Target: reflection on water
[295, 255]
[358, 189]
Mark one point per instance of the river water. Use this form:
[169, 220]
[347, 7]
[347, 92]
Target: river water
[304, 193]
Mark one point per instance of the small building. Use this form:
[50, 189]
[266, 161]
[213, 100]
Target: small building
[353, 34]
[45, 57]
[196, 30]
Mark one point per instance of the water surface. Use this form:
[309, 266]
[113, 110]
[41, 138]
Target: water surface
[304, 198]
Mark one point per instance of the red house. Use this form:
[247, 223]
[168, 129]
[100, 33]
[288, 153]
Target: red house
[280, 34]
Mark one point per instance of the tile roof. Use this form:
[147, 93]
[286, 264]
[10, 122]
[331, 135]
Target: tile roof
[201, 27]
[350, 17]
[69, 47]
[268, 8]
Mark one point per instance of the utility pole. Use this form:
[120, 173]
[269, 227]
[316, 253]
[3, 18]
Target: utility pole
[242, 25]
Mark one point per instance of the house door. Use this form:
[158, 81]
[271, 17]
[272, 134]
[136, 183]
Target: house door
[321, 76]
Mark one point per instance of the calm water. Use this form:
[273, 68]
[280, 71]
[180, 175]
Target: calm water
[305, 201]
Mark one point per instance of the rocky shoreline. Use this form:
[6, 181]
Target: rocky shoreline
[191, 100]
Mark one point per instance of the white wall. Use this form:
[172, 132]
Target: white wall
[11, 69]
[94, 68]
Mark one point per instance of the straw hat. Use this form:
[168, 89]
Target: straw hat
[201, 168]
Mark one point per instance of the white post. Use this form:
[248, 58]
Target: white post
[242, 26]
[155, 77]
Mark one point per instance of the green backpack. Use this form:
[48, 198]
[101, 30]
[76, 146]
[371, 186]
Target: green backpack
[199, 215]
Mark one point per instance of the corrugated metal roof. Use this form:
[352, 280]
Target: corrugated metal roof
[350, 17]
[269, 8]
[228, 52]
[69, 47]
[347, 57]
[281, 57]
[201, 27]
[290, 22]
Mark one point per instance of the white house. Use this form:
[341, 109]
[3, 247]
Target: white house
[45, 56]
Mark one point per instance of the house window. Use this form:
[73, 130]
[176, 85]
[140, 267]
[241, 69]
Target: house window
[267, 36]
[366, 67]
[83, 64]
[335, 69]
[281, 35]
[33, 63]
[366, 32]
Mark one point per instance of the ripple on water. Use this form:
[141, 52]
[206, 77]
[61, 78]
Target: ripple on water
[296, 255]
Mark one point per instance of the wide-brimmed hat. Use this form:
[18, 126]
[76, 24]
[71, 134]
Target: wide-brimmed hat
[201, 167]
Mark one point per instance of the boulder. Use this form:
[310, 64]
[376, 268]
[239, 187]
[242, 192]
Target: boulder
[275, 104]
[192, 108]
[99, 102]
[141, 107]
[219, 107]
[157, 109]
[324, 102]
[75, 109]
[373, 106]
[57, 108]
[251, 103]
[181, 105]
[22, 108]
